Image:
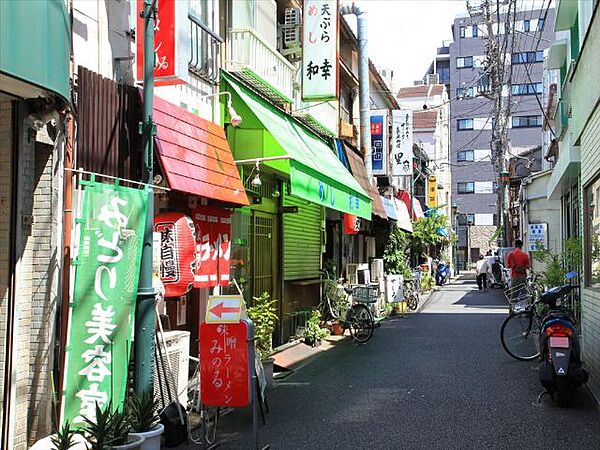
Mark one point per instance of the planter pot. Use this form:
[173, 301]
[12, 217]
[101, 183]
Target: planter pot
[337, 329]
[151, 438]
[46, 443]
[134, 442]
[268, 368]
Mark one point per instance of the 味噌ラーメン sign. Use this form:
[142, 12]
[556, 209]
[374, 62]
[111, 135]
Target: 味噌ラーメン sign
[320, 47]
[101, 314]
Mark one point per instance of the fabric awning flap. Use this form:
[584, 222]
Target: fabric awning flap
[357, 166]
[195, 155]
[316, 174]
[404, 221]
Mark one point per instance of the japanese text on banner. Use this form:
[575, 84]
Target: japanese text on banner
[213, 246]
[402, 142]
[320, 40]
[104, 297]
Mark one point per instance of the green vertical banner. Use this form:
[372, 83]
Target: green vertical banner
[102, 308]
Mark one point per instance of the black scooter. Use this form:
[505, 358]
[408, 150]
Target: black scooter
[561, 370]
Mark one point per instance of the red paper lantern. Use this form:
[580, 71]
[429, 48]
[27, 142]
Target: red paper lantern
[177, 252]
[351, 224]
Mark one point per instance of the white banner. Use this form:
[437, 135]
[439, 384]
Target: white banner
[402, 142]
[319, 50]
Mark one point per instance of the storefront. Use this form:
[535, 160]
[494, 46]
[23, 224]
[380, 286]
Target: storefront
[34, 127]
[308, 179]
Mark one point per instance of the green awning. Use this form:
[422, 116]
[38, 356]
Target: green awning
[315, 172]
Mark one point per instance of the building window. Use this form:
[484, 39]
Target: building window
[526, 25]
[465, 92]
[466, 187]
[540, 24]
[465, 62]
[591, 235]
[475, 31]
[461, 32]
[465, 155]
[527, 89]
[526, 121]
[464, 124]
[528, 57]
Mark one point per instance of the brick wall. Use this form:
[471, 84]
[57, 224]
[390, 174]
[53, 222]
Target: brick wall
[5, 209]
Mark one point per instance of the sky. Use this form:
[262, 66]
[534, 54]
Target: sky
[404, 34]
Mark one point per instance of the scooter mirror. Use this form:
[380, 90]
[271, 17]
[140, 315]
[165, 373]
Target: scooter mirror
[571, 275]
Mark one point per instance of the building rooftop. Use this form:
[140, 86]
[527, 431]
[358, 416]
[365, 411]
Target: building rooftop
[424, 119]
[421, 91]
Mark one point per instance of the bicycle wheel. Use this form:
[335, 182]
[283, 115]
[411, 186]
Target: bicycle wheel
[520, 335]
[360, 323]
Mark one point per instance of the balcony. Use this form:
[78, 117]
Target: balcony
[321, 117]
[261, 66]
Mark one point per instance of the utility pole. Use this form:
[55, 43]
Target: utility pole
[495, 59]
[145, 313]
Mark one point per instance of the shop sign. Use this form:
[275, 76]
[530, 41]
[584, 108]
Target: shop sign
[177, 252]
[537, 237]
[402, 142]
[213, 246]
[351, 224]
[226, 352]
[224, 308]
[320, 50]
[101, 315]
[172, 42]
[432, 192]
[379, 141]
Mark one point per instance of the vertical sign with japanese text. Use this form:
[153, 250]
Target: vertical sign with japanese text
[379, 141]
[172, 42]
[320, 50]
[106, 284]
[432, 192]
[213, 246]
[402, 142]
[225, 357]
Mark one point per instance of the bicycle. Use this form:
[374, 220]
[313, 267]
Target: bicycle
[412, 290]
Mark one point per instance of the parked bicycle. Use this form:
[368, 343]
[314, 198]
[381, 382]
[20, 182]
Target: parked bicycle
[412, 290]
[348, 305]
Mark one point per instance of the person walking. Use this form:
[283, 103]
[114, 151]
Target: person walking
[518, 262]
[482, 268]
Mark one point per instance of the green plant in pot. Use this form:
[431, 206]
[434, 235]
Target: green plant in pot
[313, 333]
[264, 317]
[110, 430]
[142, 412]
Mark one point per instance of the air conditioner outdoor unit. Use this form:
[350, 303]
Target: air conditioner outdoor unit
[175, 353]
[433, 78]
[290, 38]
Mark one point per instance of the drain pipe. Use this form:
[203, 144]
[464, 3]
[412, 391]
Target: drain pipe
[364, 98]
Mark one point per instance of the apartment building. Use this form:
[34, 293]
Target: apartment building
[474, 176]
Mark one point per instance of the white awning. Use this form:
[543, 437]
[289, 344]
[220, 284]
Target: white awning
[404, 222]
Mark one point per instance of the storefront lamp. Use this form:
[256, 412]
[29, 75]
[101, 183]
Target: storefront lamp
[235, 118]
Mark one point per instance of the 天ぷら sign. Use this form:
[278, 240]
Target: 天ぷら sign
[106, 283]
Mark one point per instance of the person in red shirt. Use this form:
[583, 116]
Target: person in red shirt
[518, 263]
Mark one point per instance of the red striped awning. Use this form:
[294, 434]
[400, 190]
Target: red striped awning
[195, 155]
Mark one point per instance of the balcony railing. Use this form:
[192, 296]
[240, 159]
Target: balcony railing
[204, 57]
[252, 58]
[323, 117]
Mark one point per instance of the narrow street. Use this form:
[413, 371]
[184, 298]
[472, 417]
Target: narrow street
[436, 379]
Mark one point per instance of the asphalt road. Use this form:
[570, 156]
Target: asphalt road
[438, 379]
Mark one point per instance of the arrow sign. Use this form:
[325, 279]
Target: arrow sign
[224, 309]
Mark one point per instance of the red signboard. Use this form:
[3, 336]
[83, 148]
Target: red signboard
[213, 246]
[225, 364]
[169, 48]
[351, 224]
[177, 252]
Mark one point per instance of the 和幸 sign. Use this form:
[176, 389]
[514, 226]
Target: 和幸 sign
[320, 47]
[101, 315]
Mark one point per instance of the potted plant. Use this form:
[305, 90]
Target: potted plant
[65, 438]
[142, 412]
[314, 334]
[264, 316]
[110, 430]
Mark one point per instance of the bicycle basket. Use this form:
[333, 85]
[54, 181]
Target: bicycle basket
[365, 294]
